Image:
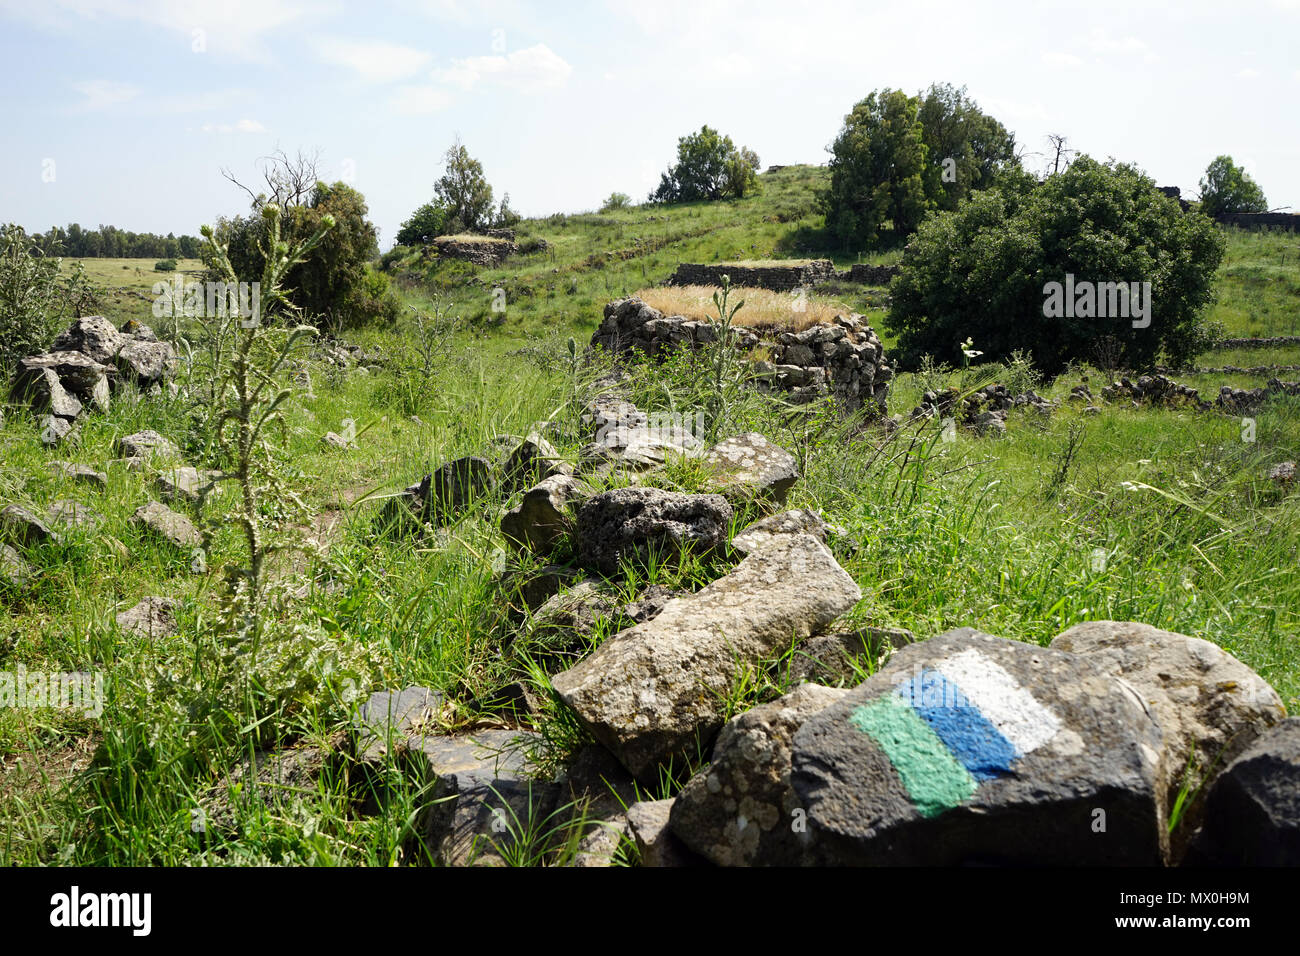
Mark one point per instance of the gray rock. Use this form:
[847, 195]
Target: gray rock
[55, 431]
[564, 627]
[92, 335]
[79, 374]
[79, 473]
[14, 571]
[482, 795]
[658, 846]
[765, 530]
[1283, 472]
[969, 749]
[181, 483]
[335, 440]
[651, 691]
[146, 444]
[649, 604]
[741, 810]
[40, 388]
[827, 658]
[65, 513]
[160, 521]
[637, 449]
[21, 527]
[145, 363]
[628, 524]
[1252, 812]
[525, 591]
[390, 716]
[545, 515]
[750, 466]
[1209, 706]
[152, 618]
[991, 423]
[533, 460]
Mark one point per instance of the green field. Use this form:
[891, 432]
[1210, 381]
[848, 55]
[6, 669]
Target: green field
[1002, 534]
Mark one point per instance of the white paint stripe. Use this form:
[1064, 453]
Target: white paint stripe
[1008, 706]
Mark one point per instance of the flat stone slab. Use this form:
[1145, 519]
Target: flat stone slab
[160, 521]
[763, 531]
[972, 749]
[651, 691]
[79, 473]
[750, 466]
[152, 618]
[391, 715]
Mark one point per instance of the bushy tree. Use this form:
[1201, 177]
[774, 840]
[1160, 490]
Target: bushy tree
[966, 148]
[1228, 188]
[982, 271]
[709, 166]
[464, 191]
[328, 286]
[425, 223]
[878, 168]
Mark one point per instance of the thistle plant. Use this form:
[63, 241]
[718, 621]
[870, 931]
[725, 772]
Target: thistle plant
[246, 353]
[722, 360]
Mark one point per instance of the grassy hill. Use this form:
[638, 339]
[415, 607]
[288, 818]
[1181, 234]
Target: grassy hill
[1160, 515]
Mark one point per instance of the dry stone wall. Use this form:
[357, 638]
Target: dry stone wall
[844, 359]
[778, 278]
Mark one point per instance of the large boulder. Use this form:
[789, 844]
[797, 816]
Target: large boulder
[145, 363]
[1209, 706]
[763, 531]
[750, 466]
[651, 692]
[1252, 812]
[630, 524]
[92, 335]
[972, 749]
[79, 374]
[741, 810]
[544, 515]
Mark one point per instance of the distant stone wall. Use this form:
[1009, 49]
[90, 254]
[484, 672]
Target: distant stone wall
[871, 275]
[486, 251]
[1286, 220]
[778, 278]
[844, 359]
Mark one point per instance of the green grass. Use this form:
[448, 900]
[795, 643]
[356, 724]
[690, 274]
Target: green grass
[997, 533]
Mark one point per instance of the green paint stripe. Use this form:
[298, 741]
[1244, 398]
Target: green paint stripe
[932, 776]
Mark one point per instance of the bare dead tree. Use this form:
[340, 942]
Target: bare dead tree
[290, 181]
[1059, 142]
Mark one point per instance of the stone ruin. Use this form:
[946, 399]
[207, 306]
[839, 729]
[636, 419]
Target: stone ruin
[88, 361]
[844, 359]
[484, 250]
[781, 277]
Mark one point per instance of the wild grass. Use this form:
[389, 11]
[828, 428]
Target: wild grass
[763, 308]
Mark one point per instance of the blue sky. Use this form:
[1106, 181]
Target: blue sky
[123, 112]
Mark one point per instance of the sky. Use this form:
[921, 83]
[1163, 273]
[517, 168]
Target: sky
[124, 112]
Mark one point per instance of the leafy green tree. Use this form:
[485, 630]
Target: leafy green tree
[464, 191]
[982, 271]
[709, 166]
[966, 148]
[425, 223]
[878, 167]
[1228, 188]
[615, 202]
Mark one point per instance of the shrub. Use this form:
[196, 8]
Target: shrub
[1227, 188]
[983, 271]
[31, 297]
[615, 202]
[165, 265]
[425, 223]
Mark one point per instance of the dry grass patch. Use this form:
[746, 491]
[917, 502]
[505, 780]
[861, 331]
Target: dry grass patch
[471, 239]
[766, 263]
[763, 308]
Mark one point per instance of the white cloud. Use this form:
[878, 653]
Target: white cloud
[536, 67]
[1062, 59]
[243, 126]
[102, 94]
[414, 100]
[1099, 41]
[374, 60]
[224, 27]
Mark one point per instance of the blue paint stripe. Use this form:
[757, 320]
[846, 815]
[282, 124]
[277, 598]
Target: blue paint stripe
[971, 737]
